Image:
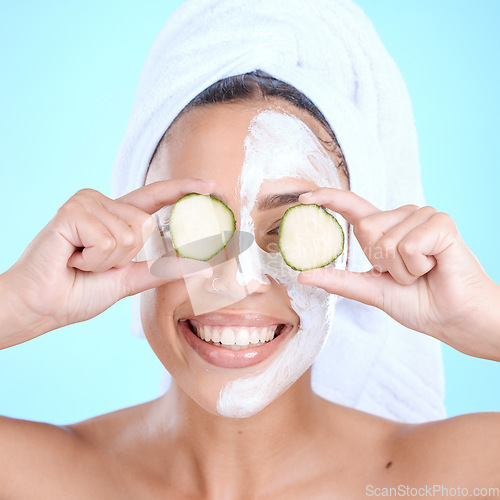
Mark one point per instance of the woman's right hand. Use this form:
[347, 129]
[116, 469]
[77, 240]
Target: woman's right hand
[423, 275]
[81, 261]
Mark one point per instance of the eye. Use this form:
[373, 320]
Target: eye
[274, 231]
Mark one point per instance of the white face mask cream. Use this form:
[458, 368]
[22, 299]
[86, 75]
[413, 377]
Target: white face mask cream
[279, 146]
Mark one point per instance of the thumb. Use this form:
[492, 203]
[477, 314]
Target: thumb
[364, 287]
[141, 276]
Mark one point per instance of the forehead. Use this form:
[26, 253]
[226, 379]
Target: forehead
[209, 139]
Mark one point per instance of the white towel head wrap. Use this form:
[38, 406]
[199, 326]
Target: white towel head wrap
[329, 51]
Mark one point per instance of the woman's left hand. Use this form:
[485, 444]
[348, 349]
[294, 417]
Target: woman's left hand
[423, 274]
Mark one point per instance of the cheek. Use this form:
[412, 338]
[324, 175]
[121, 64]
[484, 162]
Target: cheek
[157, 312]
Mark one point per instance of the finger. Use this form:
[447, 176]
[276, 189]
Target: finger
[128, 241]
[386, 252]
[141, 223]
[156, 195]
[178, 267]
[351, 206]
[129, 226]
[363, 287]
[96, 240]
[140, 276]
[393, 263]
[371, 228]
[427, 244]
[416, 262]
[412, 240]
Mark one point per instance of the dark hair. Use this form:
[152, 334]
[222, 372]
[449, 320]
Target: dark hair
[259, 85]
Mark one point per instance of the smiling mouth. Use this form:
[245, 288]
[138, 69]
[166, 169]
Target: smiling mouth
[235, 338]
[234, 341]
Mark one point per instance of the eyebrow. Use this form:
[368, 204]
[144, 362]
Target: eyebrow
[278, 200]
[271, 200]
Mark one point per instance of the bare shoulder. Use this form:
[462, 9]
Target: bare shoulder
[368, 439]
[461, 450]
[32, 450]
[393, 456]
[40, 460]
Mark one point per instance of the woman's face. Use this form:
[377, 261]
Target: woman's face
[249, 299]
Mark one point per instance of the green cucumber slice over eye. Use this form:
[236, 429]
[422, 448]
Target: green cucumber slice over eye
[200, 226]
[309, 237]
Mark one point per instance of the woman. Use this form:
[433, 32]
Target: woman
[178, 446]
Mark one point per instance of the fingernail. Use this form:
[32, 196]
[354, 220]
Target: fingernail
[208, 189]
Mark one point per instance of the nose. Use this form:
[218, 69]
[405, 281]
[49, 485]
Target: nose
[225, 280]
[221, 290]
[236, 274]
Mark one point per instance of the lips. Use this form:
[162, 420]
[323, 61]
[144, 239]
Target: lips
[234, 340]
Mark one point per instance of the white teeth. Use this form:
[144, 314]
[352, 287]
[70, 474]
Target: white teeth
[227, 336]
[263, 335]
[270, 333]
[242, 336]
[235, 337]
[254, 336]
[212, 334]
[266, 334]
[204, 334]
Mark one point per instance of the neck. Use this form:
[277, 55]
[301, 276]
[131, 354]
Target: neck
[230, 458]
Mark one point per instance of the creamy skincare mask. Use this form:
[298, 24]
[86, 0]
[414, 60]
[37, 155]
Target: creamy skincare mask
[278, 146]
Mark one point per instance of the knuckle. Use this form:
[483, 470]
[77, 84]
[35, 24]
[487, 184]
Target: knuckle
[408, 247]
[409, 208]
[130, 239]
[65, 209]
[86, 192]
[427, 210]
[444, 219]
[107, 243]
[362, 227]
[387, 245]
[69, 210]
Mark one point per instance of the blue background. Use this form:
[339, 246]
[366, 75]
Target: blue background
[69, 73]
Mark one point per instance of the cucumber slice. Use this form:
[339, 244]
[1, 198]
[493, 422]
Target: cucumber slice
[309, 237]
[200, 226]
